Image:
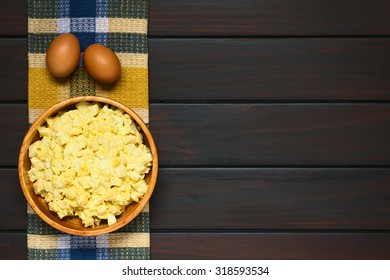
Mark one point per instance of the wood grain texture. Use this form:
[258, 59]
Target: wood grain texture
[271, 198]
[269, 69]
[250, 69]
[224, 246]
[12, 201]
[250, 198]
[243, 18]
[271, 134]
[249, 134]
[14, 125]
[269, 18]
[13, 246]
[268, 246]
[13, 17]
[13, 69]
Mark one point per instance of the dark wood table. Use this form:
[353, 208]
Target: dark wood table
[272, 120]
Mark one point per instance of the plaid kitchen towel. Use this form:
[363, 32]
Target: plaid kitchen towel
[122, 26]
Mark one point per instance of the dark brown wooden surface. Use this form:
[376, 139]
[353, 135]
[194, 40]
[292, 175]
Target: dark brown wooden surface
[269, 18]
[12, 201]
[13, 246]
[272, 134]
[270, 69]
[13, 54]
[13, 18]
[257, 246]
[268, 246]
[272, 122]
[13, 126]
[272, 198]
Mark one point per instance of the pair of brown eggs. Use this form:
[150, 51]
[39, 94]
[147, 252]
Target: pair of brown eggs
[63, 55]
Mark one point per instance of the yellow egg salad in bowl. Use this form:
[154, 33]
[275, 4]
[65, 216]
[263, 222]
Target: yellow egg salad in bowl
[88, 165]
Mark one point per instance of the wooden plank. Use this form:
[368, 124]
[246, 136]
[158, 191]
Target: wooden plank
[269, 18]
[224, 246]
[249, 198]
[251, 69]
[13, 205]
[271, 134]
[13, 246]
[14, 125]
[270, 69]
[268, 246]
[249, 134]
[13, 18]
[13, 69]
[271, 198]
[235, 18]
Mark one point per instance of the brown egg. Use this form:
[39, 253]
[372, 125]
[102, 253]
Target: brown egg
[102, 64]
[63, 55]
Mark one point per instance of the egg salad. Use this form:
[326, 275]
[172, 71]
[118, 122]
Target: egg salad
[90, 162]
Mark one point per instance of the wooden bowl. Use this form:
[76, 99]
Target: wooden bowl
[73, 225]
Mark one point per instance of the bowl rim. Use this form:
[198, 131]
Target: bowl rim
[54, 109]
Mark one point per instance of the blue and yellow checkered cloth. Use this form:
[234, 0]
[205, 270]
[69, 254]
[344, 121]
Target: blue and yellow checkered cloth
[122, 26]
